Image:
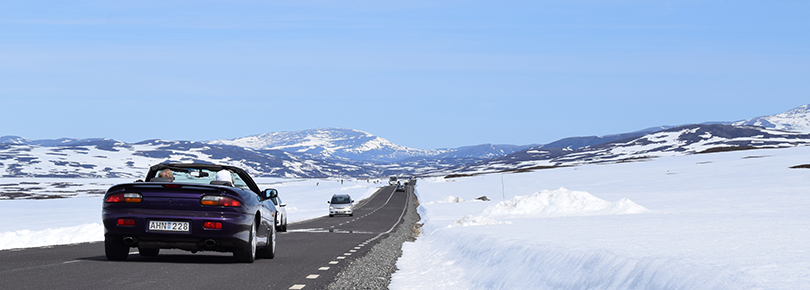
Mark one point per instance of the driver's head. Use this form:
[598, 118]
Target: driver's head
[166, 173]
[224, 175]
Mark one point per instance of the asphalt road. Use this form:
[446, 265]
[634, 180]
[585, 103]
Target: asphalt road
[308, 256]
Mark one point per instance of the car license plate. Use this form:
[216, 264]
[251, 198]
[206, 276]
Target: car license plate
[168, 226]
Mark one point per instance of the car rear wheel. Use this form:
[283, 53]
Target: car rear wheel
[269, 251]
[115, 249]
[247, 254]
[148, 252]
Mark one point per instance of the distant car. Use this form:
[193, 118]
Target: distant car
[281, 210]
[401, 187]
[341, 204]
[392, 180]
[194, 211]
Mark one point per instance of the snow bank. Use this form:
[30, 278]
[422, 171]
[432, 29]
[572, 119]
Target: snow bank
[472, 220]
[452, 199]
[454, 260]
[562, 202]
[57, 236]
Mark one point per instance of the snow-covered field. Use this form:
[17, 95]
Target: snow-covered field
[36, 223]
[735, 220]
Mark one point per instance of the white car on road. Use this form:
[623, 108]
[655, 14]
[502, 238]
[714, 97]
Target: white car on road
[341, 204]
[281, 210]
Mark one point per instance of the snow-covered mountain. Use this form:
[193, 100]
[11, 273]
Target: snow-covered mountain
[346, 152]
[683, 140]
[580, 142]
[483, 151]
[330, 143]
[797, 119]
[118, 159]
[55, 142]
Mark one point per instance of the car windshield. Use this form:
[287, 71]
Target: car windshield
[202, 176]
[338, 199]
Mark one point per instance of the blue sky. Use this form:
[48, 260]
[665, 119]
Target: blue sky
[423, 74]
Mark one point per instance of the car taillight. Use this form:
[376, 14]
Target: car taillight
[126, 222]
[219, 201]
[124, 197]
[212, 225]
[172, 186]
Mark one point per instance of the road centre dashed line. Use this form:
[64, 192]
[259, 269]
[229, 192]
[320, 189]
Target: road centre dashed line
[313, 276]
[298, 286]
[323, 268]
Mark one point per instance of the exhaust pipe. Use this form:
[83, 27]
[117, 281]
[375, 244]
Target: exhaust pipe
[130, 241]
[210, 243]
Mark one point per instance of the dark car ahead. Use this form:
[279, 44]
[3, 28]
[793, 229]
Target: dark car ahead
[193, 207]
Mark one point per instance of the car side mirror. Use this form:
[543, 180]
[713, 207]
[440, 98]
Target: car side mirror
[352, 201]
[269, 193]
[282, 204]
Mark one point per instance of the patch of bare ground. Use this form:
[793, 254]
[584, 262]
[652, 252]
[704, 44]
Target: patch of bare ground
[727, 149]
[806, 166]
[754, 157]
[636, 159]
[516, 170]
[24, 195]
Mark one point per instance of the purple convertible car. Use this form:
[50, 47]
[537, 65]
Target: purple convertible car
[193, 207]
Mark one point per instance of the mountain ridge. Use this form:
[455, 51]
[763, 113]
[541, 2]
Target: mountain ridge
[326, 152]
[797, 119]
[329, 143]
[682, 140]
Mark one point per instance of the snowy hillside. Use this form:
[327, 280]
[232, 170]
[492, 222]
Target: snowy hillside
[330, 143]
[483, 151]
[347, 152]
[676, 141]
[112, 159]
[56, 142]
[585, 141]
[797, 119]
